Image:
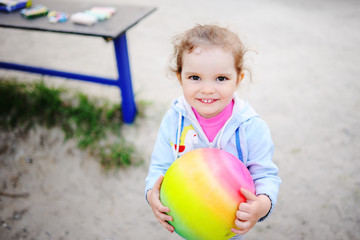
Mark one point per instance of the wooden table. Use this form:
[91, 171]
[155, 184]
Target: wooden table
[113, 29]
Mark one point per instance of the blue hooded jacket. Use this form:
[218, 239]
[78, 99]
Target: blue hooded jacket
[245, 135]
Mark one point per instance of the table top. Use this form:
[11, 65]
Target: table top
[125, 17]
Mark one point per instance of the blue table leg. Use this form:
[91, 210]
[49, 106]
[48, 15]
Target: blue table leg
[123, 82]
[124, 79]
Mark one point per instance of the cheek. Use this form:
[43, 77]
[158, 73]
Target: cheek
[228, 92]
[188, 87]
[187, 90]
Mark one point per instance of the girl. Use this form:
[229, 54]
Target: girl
[209, 66]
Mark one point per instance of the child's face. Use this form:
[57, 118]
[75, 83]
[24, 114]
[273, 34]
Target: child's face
[209, 79]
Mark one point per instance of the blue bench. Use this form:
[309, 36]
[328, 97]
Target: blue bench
[113, 29]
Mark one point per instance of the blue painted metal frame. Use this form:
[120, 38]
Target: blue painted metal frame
[123, 82]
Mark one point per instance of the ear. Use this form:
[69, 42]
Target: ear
[178, 75]
[240, 78]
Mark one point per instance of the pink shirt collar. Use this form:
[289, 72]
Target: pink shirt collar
[211, 126]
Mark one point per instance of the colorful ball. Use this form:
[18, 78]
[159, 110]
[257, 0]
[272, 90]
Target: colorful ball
[202, 191]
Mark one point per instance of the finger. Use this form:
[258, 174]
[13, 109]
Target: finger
[157, 205]
[163, 220]
[242, 216]
[245, 207]
[248, 195]
[239, 231]
[169, 227]
[242, 226]
[161, 208]
[164, 217]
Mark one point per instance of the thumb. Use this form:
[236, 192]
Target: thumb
[158, 183]
[248, 195]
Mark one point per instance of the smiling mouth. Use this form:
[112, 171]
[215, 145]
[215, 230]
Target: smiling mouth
[207, 100]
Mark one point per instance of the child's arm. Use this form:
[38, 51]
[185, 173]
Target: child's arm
[251, 211]
[153, 196]
[259, 161]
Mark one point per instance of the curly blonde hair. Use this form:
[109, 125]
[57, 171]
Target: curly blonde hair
[211, 35]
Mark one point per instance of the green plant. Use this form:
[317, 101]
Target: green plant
[116, 155]
[89, 121]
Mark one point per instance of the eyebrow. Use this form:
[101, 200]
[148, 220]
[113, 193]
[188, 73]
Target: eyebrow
[191, 73]
[218, 74]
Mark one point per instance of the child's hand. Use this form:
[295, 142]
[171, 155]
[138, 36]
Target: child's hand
[159, 210]
[251, 211]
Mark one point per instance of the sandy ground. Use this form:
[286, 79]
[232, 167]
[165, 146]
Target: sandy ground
[305, 85]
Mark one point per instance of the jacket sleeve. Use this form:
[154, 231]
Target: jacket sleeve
[260, 164]
[162, 156]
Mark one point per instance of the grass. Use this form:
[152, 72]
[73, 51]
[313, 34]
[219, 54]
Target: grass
[90, 122]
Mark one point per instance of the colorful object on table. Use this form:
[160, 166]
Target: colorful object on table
[57, 17]
[202, 191]
[12, 5]
[92, 16]
[102, 13]
[83, 19]
[35, 11]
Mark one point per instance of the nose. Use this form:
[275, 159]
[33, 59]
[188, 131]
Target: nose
[207, 87]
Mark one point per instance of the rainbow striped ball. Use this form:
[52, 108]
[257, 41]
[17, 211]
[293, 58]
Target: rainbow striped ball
[202, 191]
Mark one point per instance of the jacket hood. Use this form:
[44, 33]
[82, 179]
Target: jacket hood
[242, 112]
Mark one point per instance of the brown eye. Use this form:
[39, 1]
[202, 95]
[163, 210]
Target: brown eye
[194, 78]
[221, 79]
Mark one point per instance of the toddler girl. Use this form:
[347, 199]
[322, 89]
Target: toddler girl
[209, 64]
